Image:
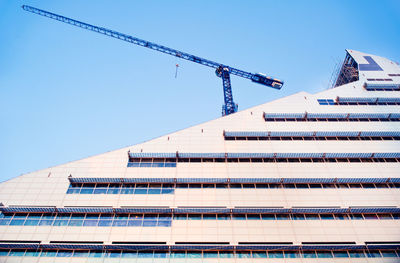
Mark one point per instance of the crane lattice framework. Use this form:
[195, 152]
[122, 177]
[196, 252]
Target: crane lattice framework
[221, 70]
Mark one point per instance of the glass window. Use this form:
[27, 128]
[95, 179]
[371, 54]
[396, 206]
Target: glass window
[357, 254]
[4, 222]
[101, 189]
[309, 254]
[326, 216]
[324, 254]
[340, 254]
[209, 217]
[385, 216]
[120, 220]
[31, 253]
[292, 254]
[129, 254]
[157, 165]
[135, 216]
[4, 253]
[114, 189]
[20, 216]
[17, 253]
[356, 216]
[91, 220]
[389, 253]
[302, 186]
[95, 254]
[178, 254]
[135, 222]
[75, 223]
[275, 254]
[373, 254]
[180, 217]
[76, 220]
[127, 189]
[140, 191]
[34, 216]
[154, 191]
[194, 217]
[167, 191]
[160, 254]
[165, 223]
[298, 217]
[226, 254]
[64, 253]
[81, 253]
[113, 254]
[74, 189]
[312, 216]
[63, 216]
[150, 223]
[193, 254]
[282, 217]
[150, 217]
[46, 220]
[268, 217]
[48, 253]
[87, 189]
[253, 217]
[243, 254]
[105, 220]
[224, 217]
[17, 222]
[341, 217]
[210, 254]
[370, 216]
[259, 254]
[31, 222]
[164, 217]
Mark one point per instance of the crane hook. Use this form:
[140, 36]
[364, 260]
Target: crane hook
[176, 70]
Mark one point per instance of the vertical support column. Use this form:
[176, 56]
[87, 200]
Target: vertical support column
[229, 107]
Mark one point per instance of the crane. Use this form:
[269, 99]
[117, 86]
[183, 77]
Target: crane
[221, 70]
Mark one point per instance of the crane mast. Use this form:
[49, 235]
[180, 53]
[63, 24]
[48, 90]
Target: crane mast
[221, 70]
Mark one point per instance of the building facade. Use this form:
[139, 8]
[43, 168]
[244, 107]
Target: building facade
[306, 178]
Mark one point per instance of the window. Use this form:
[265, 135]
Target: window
[198, 254]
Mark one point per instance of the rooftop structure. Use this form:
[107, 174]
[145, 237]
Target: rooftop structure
[306, 178]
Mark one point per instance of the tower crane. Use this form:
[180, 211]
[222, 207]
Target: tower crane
[221, 70]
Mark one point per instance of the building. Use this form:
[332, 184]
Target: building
[306, 178]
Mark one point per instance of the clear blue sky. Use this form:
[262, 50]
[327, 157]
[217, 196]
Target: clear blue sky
[67, 93]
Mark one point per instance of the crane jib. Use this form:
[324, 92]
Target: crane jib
[229, 107]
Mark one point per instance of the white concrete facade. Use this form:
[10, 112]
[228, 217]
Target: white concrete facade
[366, 188]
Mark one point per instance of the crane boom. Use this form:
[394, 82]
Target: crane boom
[222, 70]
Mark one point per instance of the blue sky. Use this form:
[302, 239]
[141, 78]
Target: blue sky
[67, 93]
